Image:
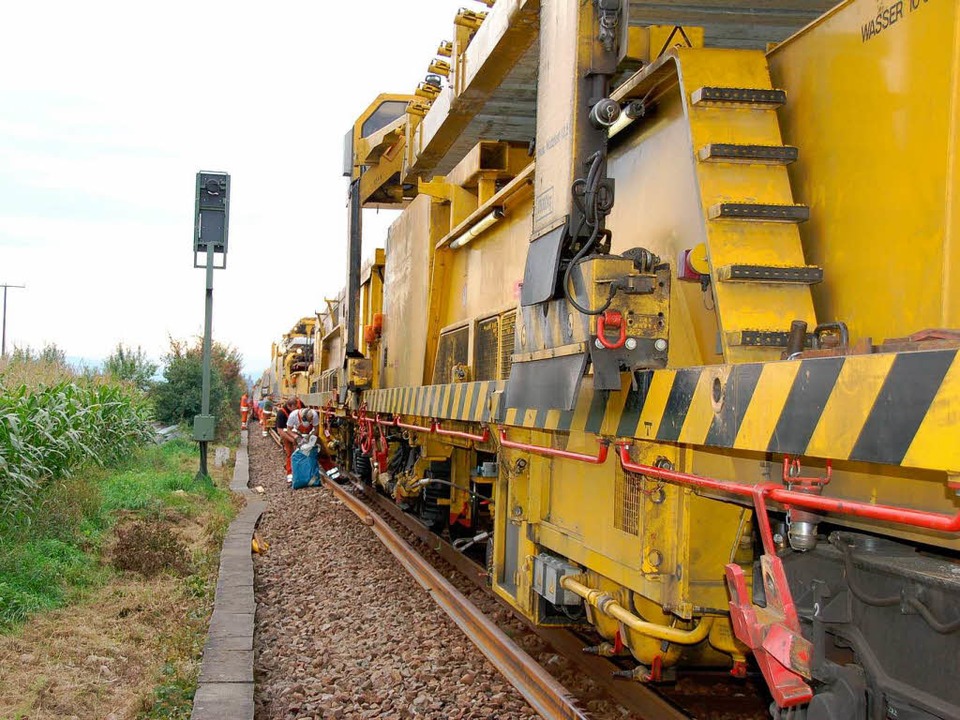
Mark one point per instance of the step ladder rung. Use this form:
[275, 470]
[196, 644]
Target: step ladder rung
[765, 99]
[763, 338]
[748, 154]
[797, 275]
[759, 212]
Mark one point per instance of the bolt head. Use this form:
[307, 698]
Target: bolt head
[598, 344]
[630, 344]
[660, 345]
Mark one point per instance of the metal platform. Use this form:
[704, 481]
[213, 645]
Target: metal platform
[499, 97]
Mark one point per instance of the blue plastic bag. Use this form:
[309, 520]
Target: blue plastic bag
[306, 470]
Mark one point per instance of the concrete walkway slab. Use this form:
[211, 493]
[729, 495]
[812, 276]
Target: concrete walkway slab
[226, 688]
[223, 700]
[224, 624]
[221, 664]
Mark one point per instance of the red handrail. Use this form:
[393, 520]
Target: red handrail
[600, 458]
[418, 428]
[386, 423]
[778, 493]
[459, 434]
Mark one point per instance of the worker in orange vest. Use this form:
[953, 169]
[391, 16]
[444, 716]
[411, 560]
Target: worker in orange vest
[244, 411]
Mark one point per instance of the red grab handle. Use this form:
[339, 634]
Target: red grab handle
[614, 319]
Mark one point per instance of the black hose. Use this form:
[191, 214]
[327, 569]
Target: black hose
[944, 628]
[858, 592]
[590, 216]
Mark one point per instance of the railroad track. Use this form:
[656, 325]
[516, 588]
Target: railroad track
[703, 695]
[541, 690]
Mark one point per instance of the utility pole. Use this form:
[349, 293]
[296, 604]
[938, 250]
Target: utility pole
[211, 220]
[3, 343]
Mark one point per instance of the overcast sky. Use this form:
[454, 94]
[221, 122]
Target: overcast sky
[108, 110]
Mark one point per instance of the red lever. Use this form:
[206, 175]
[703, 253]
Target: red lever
[614, 319]
[782, 652]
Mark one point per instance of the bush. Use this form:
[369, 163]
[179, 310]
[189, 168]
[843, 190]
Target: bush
[149, 548]
[178, 397]
[129, 365]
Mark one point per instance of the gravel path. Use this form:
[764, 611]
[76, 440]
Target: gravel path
[342, 631]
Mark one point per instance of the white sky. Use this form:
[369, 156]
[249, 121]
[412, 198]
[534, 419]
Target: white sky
[108, 110]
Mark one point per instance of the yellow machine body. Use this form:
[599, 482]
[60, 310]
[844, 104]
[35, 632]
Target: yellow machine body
[814, 184]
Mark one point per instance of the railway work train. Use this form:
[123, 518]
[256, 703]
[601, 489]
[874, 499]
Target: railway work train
[669, 324]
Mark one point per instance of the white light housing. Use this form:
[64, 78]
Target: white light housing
[631, 112]
[477, 229]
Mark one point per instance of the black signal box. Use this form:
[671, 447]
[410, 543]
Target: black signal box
[211, 219]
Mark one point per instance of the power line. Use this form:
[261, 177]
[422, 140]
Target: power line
[3, 344]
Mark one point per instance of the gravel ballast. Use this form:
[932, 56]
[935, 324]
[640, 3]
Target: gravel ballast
[342, 631]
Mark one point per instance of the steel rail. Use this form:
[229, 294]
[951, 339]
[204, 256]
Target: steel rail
[539, 688]
[275, 436]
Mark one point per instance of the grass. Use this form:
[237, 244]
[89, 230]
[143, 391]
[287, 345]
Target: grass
[173, 696]
[108, 549]
[42, 575]
[52, 556]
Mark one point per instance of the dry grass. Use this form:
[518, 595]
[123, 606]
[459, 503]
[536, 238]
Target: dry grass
[94, 660]
[150, 547]
[35, 373]
[111, 656]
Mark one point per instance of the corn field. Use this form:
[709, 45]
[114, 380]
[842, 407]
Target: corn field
[49, 432]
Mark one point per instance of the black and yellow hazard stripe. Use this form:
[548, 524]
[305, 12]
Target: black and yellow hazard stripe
[891, 408]
[467, 402]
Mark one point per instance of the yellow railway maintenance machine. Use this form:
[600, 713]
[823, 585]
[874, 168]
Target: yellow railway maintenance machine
[669, 322]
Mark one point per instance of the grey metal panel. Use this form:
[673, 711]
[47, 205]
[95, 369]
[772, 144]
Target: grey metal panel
[543, 263]
[733, 24]
[548, 384]
[510, 112]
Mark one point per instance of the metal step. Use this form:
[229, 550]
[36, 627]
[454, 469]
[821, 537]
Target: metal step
[748, 154]
[762, 338]
[739, 97]
[802, 275]
[759, 212]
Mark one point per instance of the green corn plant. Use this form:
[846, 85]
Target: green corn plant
[49, 432]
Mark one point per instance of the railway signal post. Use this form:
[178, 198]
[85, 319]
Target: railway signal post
[211, 220]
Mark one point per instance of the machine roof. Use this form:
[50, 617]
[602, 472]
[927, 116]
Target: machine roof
[506, 110]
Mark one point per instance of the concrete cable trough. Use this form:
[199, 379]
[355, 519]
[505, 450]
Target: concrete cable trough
[225, 691]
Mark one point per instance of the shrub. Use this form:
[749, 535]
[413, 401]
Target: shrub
[129, 365]
[149, 548]
[178, 397]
